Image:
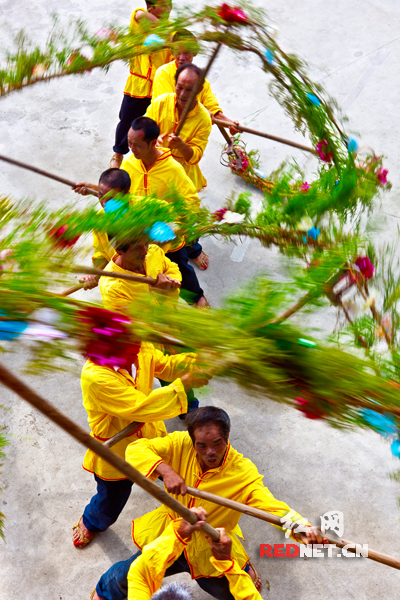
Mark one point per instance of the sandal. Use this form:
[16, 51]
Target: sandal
[84, 541]
[201, 261]
[92, 594]
[117, 159]
[257, 582]
[204, 306]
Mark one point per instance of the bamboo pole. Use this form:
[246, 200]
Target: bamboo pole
[266, 135]
[12, 382]
[196, 90]
[131, 428]
[68, 182]
[102, 273]
[384, 559]
[72, 290]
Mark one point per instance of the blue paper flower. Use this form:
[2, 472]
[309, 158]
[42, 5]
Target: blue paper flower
[395, 448]
[153, 40]
[270, 56]
[352, 144]
[161, 232]
[314, 99]
[112, 206]
[313, 232]
[9, 330]
[384, 424]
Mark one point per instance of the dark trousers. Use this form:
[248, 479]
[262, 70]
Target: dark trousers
[191, 291]
[113, 585]
[131, 108]
[106, 506]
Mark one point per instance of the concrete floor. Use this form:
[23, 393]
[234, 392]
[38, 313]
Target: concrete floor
[67, 127]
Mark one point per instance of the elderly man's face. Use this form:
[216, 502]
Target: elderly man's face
[184, 86]
[210, 446]
[183, 56]
[138, 250]
[137, 145]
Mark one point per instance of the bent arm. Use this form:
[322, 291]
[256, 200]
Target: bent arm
[240, 584]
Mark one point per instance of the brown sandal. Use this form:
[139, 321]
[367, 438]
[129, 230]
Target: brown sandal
[84, 541]
[200, 261]
[205, 306]
[257, 582]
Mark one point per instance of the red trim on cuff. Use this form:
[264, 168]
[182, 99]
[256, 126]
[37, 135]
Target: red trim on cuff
[153, 467]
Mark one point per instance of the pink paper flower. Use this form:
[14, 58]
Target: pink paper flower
[305, 186]
[365, 266]
[230, 14]
[61, 239]
[321, 148]
[382, 175]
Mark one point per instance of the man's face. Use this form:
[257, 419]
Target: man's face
[161, 9]
[137, 251]
[210, 445]
[184, 86]
[139, 148]
[106, 192]
[183, 56]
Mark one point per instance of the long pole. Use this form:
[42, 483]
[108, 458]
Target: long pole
[9, 380]
[131, 428]
[266, 135]
[196, 90]
[68, 182]
[380, 557]
[101, 273]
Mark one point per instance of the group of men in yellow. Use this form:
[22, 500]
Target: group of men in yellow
[116, 395]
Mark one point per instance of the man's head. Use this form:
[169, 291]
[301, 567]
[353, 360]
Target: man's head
[209, 429]
[134, 251]
[186, 49]
[174, 591]
[186, 77]
[113, 180]
[142, 137]
[159, 8]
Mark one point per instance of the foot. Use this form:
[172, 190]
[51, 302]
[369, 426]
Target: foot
[95, 596]
[202, 303]
[202, 261]
[256, 578]
[116, 160]
[81, 536]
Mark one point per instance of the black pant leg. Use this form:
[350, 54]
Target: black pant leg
[191, 291]
[131, 108]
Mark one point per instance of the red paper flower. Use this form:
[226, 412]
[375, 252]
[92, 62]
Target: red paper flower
[321, 148]
[60, 239]
[309, 411]
[365, 266]
[231, 14]
[107, 340]
[305, 187]
[219, 214]
[382, 175]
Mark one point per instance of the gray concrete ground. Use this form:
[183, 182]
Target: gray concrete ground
[67, 127]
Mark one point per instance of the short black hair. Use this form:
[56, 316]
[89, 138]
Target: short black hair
[190, 66]
[116, 179]
[206, 415]
[148, 126]
[188, 39]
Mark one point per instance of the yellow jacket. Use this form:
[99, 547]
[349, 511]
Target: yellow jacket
[113, 399]
[146, 573]
[142, 68]
[118, 294]
[237, 479]
[195, 132]
[164, 83]
[101, 246]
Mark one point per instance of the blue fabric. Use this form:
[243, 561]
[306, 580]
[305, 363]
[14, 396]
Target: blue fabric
[191, 291]
[106, 506]
[131, 108]
[113, 585]
[194, 250]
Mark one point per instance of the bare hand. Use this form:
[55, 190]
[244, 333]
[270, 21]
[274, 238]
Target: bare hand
[175, 142]
[161, 140]
[312, 536]
[89, 281]
[186, 529]
[173, 482]
[197, 379]
[165, 283]
[81, 188]
[233, 129]
[221, 550]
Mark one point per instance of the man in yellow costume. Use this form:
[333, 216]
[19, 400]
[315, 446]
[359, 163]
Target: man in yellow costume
[202, 458]
[165, 80]
[142, 68]
[115, 395]
[159, 559]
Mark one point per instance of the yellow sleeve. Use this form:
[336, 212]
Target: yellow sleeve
[146, 574]
[153, 113]
[126, 402]
[241, 585]
[146, 454]
[162, 83]
[171, 367]
[171, 269]
[199, 140]
[208, 99]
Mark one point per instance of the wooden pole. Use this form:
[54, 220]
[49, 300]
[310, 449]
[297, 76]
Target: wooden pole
[72, 290]
[384, 559]
[9, 380]
[68, 182]
[101, 273]
[196, 90]
[265, 135]
[131, 428]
